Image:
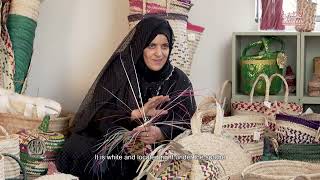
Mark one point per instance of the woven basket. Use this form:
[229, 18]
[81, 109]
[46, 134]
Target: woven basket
[300, 152]
[58, 177]
[307, 10]
[28, 8]
[159, 6]
[1, 167]
[208, 104]
[14, 123]
[282, 170]
[249, 131]
[194, 34]
[222, 157]
[10, 144]
[297, 130]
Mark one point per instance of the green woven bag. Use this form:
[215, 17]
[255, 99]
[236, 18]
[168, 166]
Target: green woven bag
[264, 61]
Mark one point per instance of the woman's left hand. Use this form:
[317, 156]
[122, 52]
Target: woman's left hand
[149, 134]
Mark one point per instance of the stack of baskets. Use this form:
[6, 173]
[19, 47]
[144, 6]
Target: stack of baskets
[186, 36]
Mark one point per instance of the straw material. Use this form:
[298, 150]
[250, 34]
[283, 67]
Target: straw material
[210, 155]
[194, 34]
[1, 167]
[297, 130]
[281, 170]
[7, 56]
[249, 131]
[28, 8]
[10, 144]
[306, 9]
[14, 123]
[269, 109]
[300, 152]
[58, 177]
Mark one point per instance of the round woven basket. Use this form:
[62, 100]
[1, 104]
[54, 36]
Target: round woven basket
[282, 170]
[10, 144]
[14, 123]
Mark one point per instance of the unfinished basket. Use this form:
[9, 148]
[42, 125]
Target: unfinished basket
[282, 170]
[9, 144]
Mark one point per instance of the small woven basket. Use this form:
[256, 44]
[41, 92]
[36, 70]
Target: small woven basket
[282, 170]
[9, 144]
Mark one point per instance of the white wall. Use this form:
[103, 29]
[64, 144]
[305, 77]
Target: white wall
[75, 38]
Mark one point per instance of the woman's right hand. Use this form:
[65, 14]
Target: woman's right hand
[150, 108]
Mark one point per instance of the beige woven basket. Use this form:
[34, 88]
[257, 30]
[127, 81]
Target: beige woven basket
[227, 157]
[28, 8]
[282, 170]
[1, 167]
[10, 144]
[14, 123]
[249, 131]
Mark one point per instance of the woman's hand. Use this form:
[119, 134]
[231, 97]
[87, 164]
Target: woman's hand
[150, 108]
[149, 134]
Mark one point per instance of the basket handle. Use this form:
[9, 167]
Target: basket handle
[23, 170]
[264, 45]
[286, 94]
[266, 78]
[207, 101]
[4, 131]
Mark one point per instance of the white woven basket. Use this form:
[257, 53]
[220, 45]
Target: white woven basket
[10, 144]
[282, 170]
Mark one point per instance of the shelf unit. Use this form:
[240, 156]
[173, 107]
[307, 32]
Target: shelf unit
[292, 48]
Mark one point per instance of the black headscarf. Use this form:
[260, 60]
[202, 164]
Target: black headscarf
[113, 79]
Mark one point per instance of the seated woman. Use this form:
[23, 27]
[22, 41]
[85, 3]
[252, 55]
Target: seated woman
[137, 84]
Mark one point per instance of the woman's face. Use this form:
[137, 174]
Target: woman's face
[156, 53]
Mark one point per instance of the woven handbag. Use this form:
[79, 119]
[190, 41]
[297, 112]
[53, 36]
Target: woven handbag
[282, 170]
[9, 144]
[297, 130]
[306, 10]
[248, 130]
[265, 61]
[201, 155]
[266, 108]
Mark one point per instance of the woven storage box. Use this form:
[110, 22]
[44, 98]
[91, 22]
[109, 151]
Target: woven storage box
[297, 130]
[221, 156]
[282, 170]
[9, 144]
[14, 123]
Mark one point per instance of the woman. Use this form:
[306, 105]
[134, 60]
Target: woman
[137, 84]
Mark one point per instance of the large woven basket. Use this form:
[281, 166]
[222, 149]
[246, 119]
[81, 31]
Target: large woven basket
[282, 170]
[9, 144]
[222, 157]
[14, 123]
